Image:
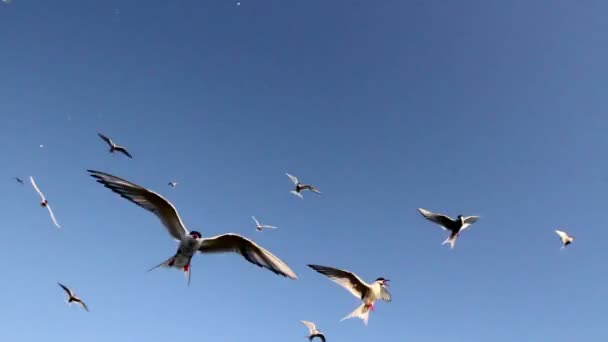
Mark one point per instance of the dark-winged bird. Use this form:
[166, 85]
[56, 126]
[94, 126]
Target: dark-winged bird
[73, 298]
[114, 147]
[447, 223]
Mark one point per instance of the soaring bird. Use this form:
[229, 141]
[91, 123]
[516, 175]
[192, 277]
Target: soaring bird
[72, 298]
[259, 226]
[114, 147]
[368, 293]
[190, 241]
[172, 184]
[301, 187]
[447, 223]
[19, 180]
[44, 202]
[566, 239]
[313, 331]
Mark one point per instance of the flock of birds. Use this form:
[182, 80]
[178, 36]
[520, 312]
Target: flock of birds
[191, 242]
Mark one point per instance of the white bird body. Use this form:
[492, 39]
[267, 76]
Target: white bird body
[301, 187]
[260, 226]
[44, 202]
[566, 239]
[191, 242]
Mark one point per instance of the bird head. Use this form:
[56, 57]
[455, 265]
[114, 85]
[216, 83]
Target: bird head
[196, 235]
[382, 281]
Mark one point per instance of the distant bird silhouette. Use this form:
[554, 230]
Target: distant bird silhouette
[566, 239]
[313, 331]
[72, 298]
[447, 223]
[172, 184]
[44, 202]
[259, 226]
[19, 180]
[114, 147]
[301, 187]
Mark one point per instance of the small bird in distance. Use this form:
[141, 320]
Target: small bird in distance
[301, 187]
[114, 147]
[19, 180]
[172, 184]
[566, 239]
[44, 202]
[313, 331]
[72, 297]
[259, 226]
[447, 223]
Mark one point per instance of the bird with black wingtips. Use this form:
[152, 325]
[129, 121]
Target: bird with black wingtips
[72, 297]
[114, 147]
[447, 223]
[313, 331]
[190, 242]
[44, 203]
[566, 239]
[368, 293]
[301, 186]
[260, 226]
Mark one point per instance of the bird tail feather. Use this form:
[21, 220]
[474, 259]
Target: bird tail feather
[162, 264]
[361, 312]
[451, 240]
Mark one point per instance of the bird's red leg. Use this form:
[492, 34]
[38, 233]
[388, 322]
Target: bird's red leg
[187, 267]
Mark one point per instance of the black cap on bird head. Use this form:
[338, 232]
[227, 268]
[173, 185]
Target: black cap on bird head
[383, 281]
[195, 234]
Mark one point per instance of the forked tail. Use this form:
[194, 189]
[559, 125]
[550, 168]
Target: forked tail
[166, 263]
[360, 312]
[170, 263]
[451, 240]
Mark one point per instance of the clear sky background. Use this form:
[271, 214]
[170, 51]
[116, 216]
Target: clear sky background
[490, 108]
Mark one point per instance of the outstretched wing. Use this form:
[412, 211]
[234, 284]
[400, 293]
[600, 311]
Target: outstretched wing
[293, 178]
[249, 250]
[385, 295]
[65, 288]
[81, 302]
[311, 188]
[48, 206]
[124, 151]
[468, 221]
[106, 139]
[311, 327]
[346, 279]
[256, 221]
[36, 188]
[562, 235]
[146, 199]
[443, 220]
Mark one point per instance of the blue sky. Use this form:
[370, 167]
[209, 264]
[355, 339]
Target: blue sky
[487, 108]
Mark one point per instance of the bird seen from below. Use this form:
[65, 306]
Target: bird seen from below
[72, 298]
[44, 203]
[566, 239]
[368, 293]
[447, 223]
[259, 226]
[301, 186]
[190, 242]
[114, 147]
[313, 331]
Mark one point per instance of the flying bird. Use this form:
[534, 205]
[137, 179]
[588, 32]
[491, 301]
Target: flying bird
[566, 239]
[447, 223]
[72, 298]
[313, 331]
[259, 226]
[44, 202]
[301, 187]
[172, 184]
[19, 180]
[368, 293]
[114, 147]
[190, 242]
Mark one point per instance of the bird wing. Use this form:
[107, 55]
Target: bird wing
[562, 235]
[468, 221]
[36, 188]
[249, 250]
[443, 220]
[19, 180]
[146, 199]
[106, 139]
[297, 194]
[269, 227]
[346, 279]
[124, 151]
[311, 188]
[293, 178]
[81, 302]
[66, 289]
[48, 206]
[385, 295]
[312, 328]
[256, 221]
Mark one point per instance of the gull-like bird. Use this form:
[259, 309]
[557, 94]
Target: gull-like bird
[73, 298]
[172, 184]
[19, 180]
[259, 226]
[368, 293]
[301, 186]
[190, 242]
[447, 223]
[313, 331]
[566, 239]
[44, 202]
[114, 147]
